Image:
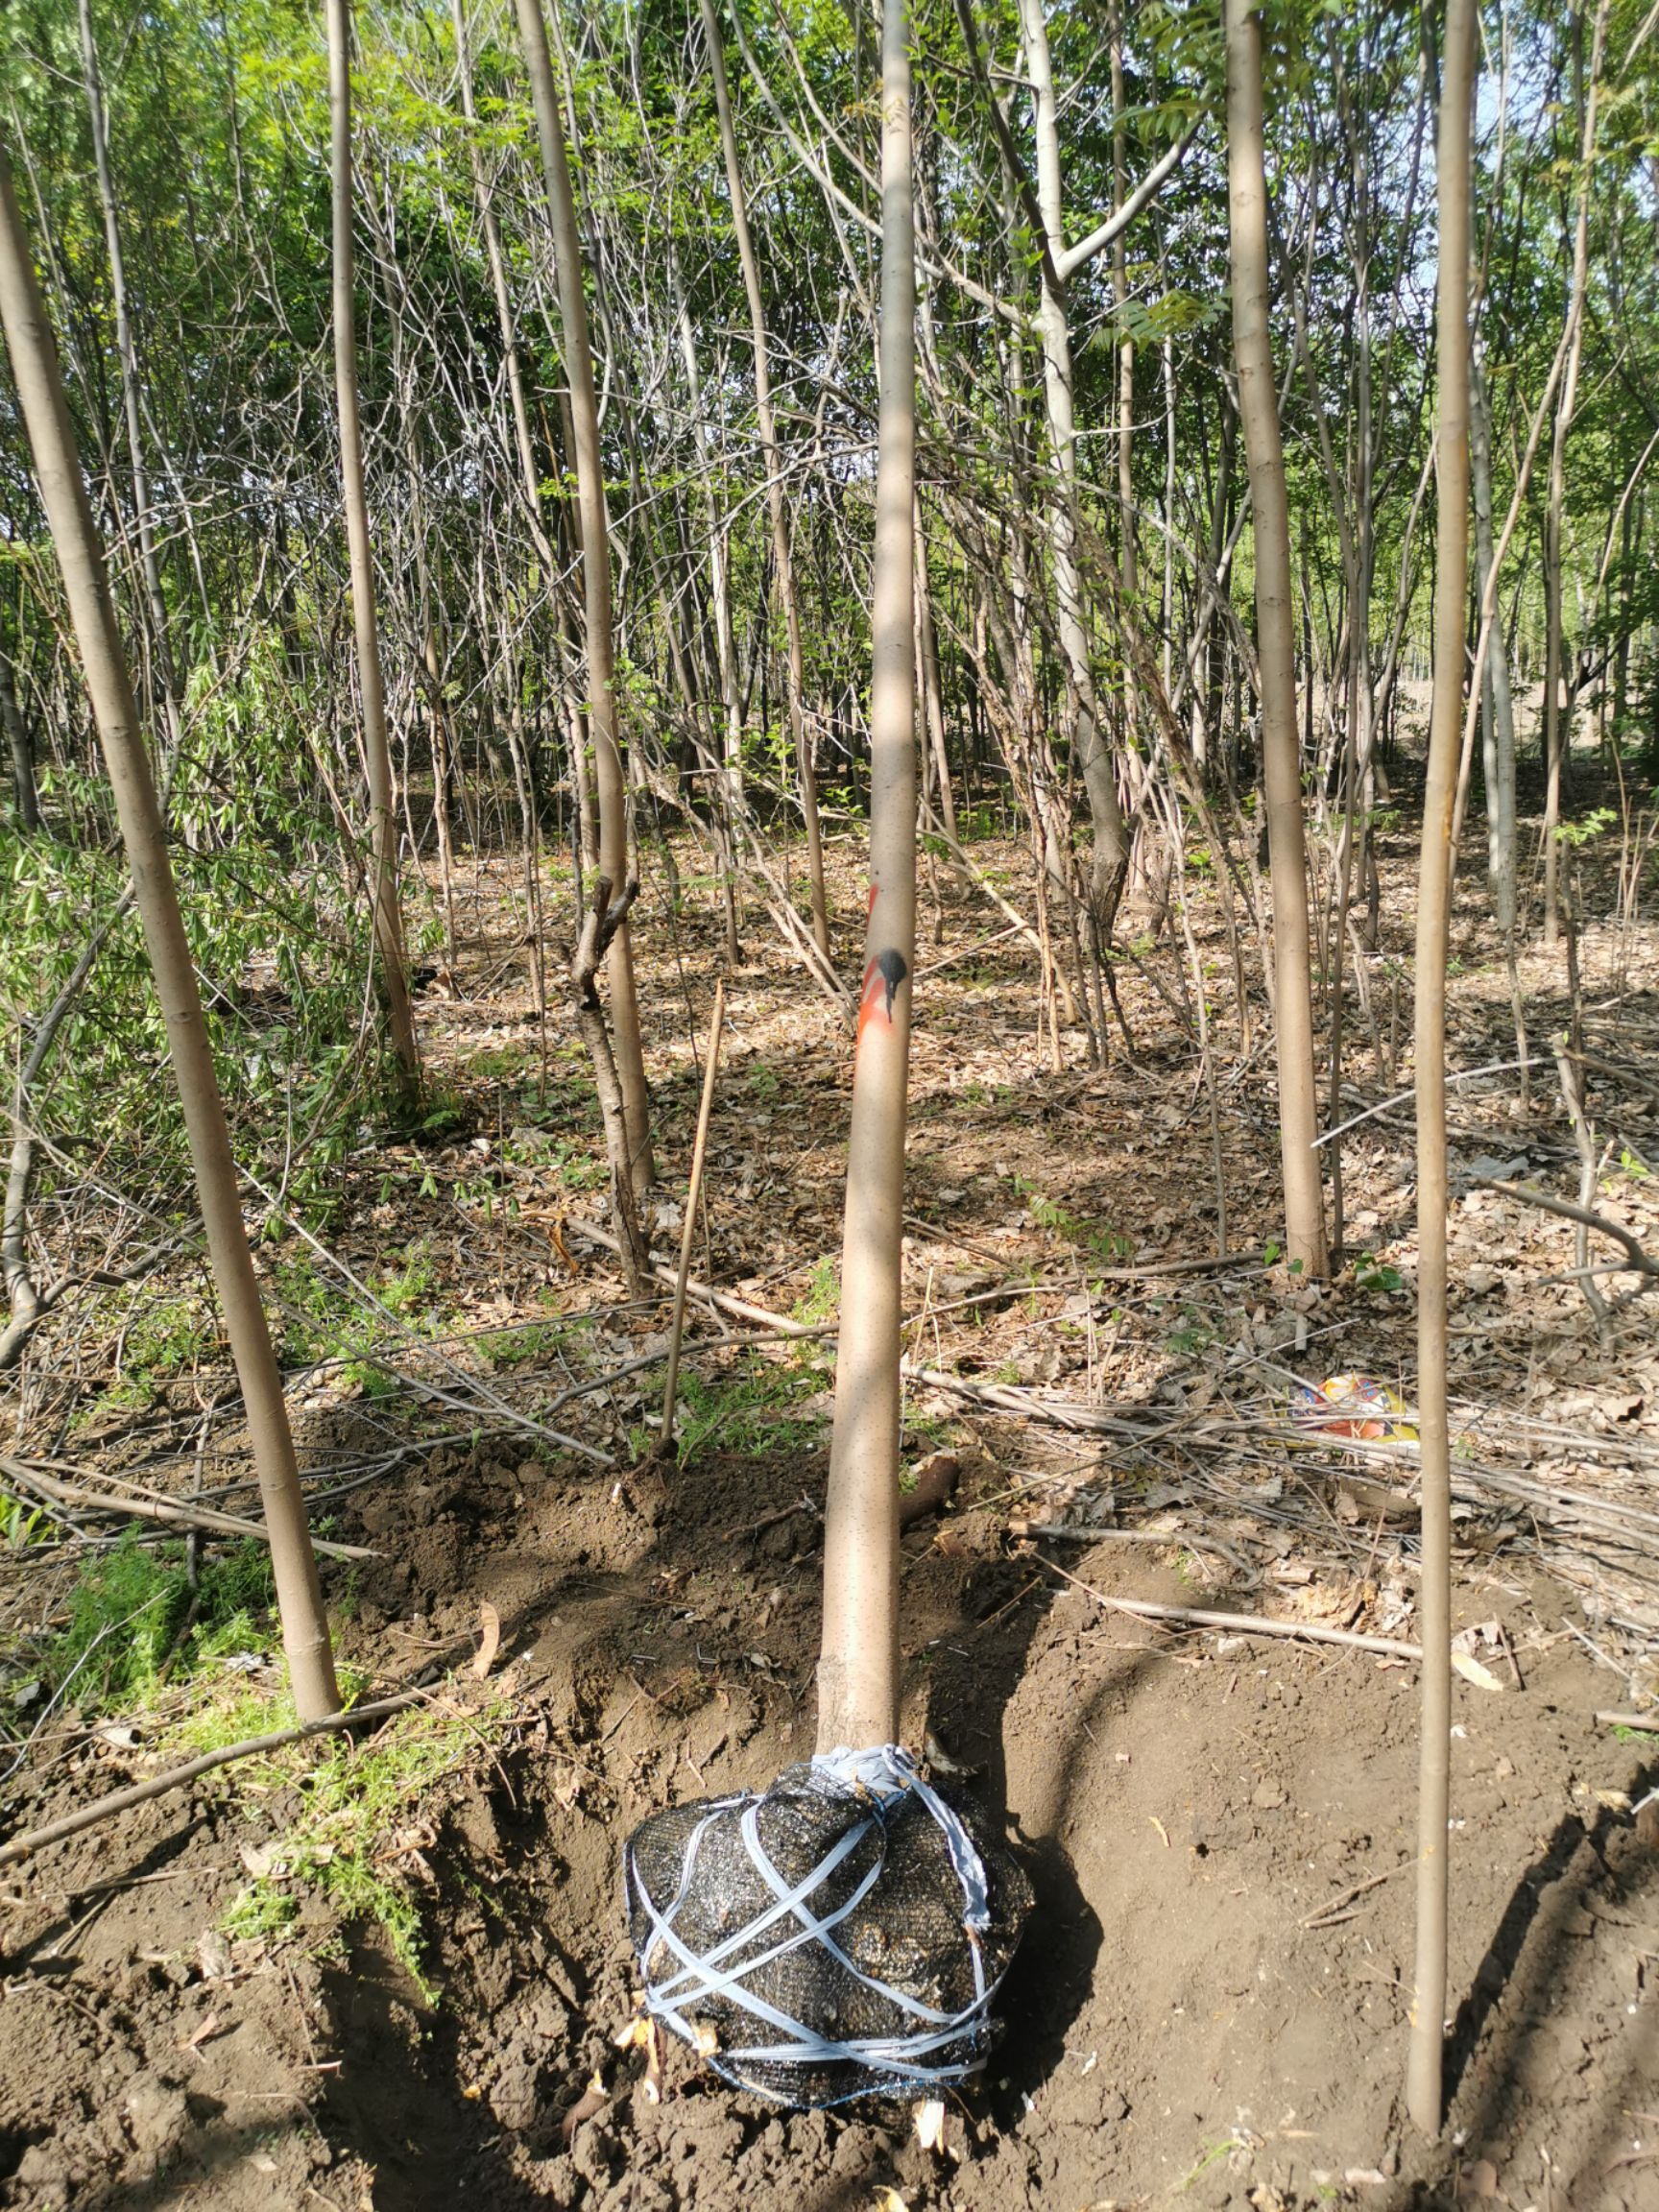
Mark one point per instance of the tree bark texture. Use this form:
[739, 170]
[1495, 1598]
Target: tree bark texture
[1423, 2086]
[1275, 643]
[69, 516]
[858, 1667]
[782, 553]
[377, 756]
[596, 580]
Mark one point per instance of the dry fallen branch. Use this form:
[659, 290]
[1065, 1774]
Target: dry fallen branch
[1241, 1624]
[1641, 1262]
[102, 1809]
[125, 1504]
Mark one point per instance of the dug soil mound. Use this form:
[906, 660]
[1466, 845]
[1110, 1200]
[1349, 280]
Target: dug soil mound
[1209, 2006]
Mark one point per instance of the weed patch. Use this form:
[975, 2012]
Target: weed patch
[137, 1621]
[357, 1837]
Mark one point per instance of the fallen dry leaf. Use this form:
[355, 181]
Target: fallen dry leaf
[195, 2042]
[488, 1640]
[1471, 1671]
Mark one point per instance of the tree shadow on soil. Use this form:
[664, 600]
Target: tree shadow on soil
[1542, 1995]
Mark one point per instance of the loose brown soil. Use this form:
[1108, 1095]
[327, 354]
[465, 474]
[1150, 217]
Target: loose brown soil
[1211, 2005]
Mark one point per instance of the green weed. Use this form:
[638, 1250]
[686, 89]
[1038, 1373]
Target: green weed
[821, 1300]
[349, 1839]
[135, 1621]
[1098, 1237]
[323, 1319]
[755, 1407]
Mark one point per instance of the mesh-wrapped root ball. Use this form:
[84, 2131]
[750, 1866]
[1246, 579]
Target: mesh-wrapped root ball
[840, 1935]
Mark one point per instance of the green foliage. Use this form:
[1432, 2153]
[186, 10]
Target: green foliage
[1193, 1337]
[135, 1621]
[348, 1839]
[1375, 1275]
[280, 951]
[821, 1300]
[1104, 1243]
[756, 1404]
[324, 1318]
[1585, 828]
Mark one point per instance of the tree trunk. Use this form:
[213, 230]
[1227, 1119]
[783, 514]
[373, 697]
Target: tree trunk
[127, 355]
[1498, 709]
[382, 813]
[596, 580]
[782, 555]
[1423, 2089]
[1280, 766]
[581, 772]
[58, 467]
[858, 1667]
[1111, 855]
[1557, 733]
[21, 748]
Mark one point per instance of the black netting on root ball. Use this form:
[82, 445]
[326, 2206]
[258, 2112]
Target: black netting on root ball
[840, 1935]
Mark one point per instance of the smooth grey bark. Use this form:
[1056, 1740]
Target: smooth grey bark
[581, 768]
[1557, 733]
[21, 746]
[1280, 766]
[127, 355]
[1423, 2069]
[596, 582]
[783, 552]
[376, 751]
[1498, 709]
[109, 688]
[1110, 851]
[858, 1662]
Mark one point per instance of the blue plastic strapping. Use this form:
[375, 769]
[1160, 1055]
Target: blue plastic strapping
[884, 1775]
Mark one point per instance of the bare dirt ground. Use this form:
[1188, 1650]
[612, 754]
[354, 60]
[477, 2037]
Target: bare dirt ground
[1211, 2005]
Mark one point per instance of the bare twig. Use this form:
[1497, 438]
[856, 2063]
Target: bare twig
[102, 1809]
[1241, 1624]
[1641, 1262]
[126, 1505]
[694, 1191]
[1331, 1911]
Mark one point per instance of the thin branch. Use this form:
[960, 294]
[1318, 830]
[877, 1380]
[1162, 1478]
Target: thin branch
[119, 1801]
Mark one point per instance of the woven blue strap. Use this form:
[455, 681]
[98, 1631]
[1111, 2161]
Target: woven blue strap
[883, 1776]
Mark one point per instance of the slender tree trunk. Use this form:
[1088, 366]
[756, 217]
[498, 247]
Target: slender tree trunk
[1281, 768]
[581, 770]
[858, 1667]
[1557, 736]
[596, 580]
[46, 417]
[726, 746]
[1423, 2088]
[377, 756]
[1497, 710]
[1128, 551]
[127, 355]
[1111, 855]
[932, 690]
[21, 747]
[783, 553]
